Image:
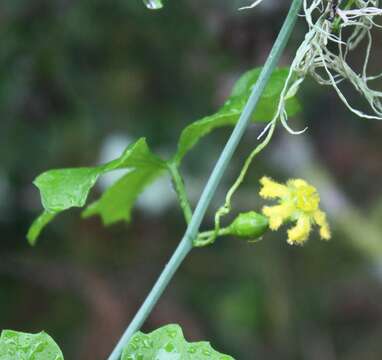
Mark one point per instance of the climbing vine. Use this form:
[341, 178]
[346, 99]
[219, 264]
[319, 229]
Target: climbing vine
[266, 95]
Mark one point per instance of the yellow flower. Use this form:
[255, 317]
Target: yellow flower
[299, 202]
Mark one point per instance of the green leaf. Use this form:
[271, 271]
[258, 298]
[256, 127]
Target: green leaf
[66, 188]
[168, 343]
[22, 346]
[229, 114]
[116, 202]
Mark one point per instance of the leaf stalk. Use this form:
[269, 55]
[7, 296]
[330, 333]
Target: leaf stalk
[180, 190]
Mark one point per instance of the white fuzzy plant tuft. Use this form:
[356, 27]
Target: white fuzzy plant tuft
[324, 52]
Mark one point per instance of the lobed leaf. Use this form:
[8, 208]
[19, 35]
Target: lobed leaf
[168, 343]
[229, 114]
[23, 346]
[66, 188]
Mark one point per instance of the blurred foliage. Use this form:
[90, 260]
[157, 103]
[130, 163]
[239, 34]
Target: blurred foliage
[73, 74]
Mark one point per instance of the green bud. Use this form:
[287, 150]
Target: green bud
[249, 225]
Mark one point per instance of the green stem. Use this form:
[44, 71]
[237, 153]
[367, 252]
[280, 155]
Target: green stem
[208, 233]
[208, 237]
[186, 243]
[226, 208]
[180, 191]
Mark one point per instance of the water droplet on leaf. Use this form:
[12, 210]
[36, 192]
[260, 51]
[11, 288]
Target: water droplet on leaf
[169, 347]
[153, 4]
[206, 352]
[172, 333]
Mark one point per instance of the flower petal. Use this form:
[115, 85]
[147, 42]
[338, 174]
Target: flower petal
[272, 189]
[300, 232]
[277, 214]
[320, 219]
[297, 183]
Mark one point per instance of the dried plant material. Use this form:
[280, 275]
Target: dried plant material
[325, 50]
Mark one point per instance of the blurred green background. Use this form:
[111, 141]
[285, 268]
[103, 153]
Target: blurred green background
[81, 79]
